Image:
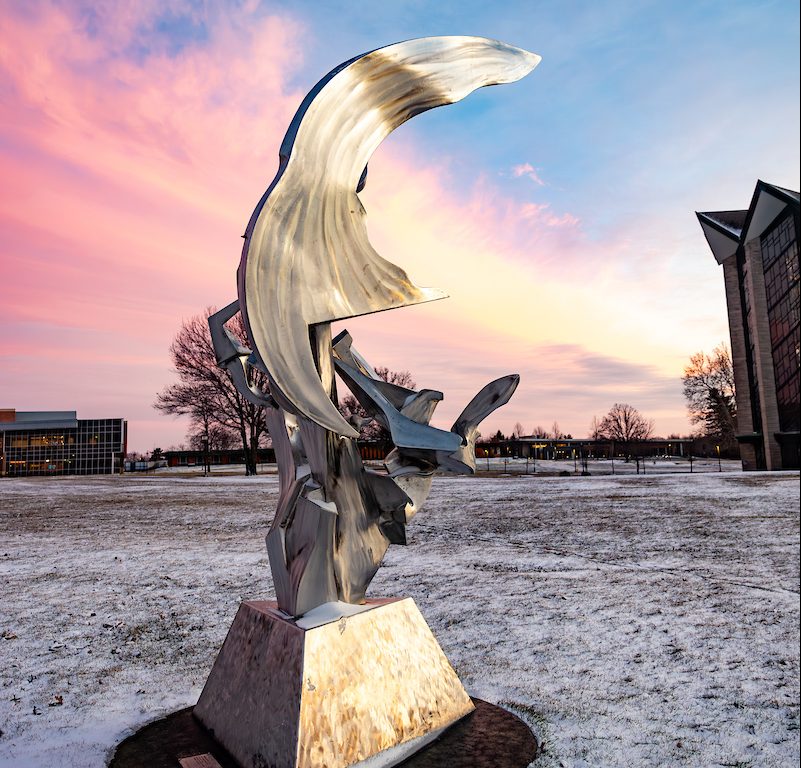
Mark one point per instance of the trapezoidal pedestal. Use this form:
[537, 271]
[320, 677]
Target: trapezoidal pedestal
[372, 685]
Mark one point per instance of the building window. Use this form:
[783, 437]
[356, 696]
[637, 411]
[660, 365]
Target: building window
[780, 259]
[91, 448]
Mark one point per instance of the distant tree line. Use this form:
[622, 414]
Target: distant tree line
[708, 385]
[624, 426]
[220, 418]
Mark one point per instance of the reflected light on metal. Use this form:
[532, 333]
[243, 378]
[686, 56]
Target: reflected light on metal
[306, 262]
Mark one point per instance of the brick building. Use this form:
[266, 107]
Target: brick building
[758, 250]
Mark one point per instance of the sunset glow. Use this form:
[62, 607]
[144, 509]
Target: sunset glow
[556, 212]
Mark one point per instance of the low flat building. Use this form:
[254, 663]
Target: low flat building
[587, 447]
[215, 457]
[59, 443]
[758, 250]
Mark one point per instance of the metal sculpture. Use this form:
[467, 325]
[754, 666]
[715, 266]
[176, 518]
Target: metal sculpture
[283, 690]
[307, 262]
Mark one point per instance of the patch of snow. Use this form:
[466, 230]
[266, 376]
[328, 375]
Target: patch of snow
[632, 621]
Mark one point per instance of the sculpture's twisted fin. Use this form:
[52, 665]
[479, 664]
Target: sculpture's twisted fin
[306, 262]
[307, 258]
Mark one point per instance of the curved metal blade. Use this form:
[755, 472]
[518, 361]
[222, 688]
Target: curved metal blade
[307, 258]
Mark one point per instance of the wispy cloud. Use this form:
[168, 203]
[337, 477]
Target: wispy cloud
[529, 171]
[541, 213]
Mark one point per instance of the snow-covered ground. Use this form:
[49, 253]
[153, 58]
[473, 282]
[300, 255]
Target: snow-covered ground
[633, 621]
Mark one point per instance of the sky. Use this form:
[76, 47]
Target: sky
[557, 212]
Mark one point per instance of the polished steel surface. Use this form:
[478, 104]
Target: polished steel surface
[307, 258]
[358, 687]
[307, 261]
[374, 685]
[251, 699]
[234, 356]
[405, 431]
[400, 687]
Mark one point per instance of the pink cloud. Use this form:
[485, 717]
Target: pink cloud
[529, 171]
[155, 128]
[459, 229]
[127, 180]
[542, 214]
[135, 167]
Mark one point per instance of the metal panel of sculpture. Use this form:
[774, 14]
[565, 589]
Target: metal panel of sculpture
[307, 258]
[306, 262]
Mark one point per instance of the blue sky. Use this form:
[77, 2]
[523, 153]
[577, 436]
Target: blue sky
[627, 96]
[628, 93]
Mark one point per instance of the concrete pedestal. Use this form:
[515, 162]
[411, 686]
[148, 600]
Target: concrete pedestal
[375, 685]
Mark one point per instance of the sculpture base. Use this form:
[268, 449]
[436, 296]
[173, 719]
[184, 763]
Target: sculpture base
[490, 737]
[371, 685]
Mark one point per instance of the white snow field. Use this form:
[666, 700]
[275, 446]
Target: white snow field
[631, 620]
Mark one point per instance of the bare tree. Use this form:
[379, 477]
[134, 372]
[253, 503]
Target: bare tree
[595, 429]
[556, 432]
[212, 436]
[518, 431]
[624, 425]
[709, 390]
[540, 431]
[207, 394]
[400, 378]
[351, 409]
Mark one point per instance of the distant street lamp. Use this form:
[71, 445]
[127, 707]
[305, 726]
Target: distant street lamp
[717, 449]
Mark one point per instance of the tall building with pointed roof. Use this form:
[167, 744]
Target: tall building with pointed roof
[758, 250]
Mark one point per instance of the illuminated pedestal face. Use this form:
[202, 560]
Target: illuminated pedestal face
[372, 685]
